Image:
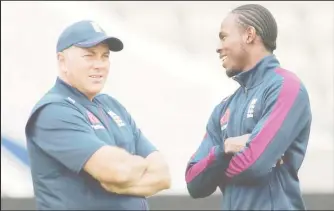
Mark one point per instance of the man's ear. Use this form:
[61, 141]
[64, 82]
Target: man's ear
[61, 62]
[249, 35]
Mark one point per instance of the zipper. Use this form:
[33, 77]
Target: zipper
[240, 114]
[242, 85]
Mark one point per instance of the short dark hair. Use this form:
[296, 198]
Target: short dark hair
[262, 20]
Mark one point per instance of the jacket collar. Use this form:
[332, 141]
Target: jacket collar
[255, 76]
[64, 88]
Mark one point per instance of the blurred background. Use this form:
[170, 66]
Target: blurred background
[168, 76]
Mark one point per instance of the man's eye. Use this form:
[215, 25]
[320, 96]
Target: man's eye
[88, 55]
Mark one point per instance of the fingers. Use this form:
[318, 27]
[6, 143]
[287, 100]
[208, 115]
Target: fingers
[280, 162]
[233, 148]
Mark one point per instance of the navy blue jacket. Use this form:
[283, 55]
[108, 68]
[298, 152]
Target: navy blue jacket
[63, 131]
[273, 106]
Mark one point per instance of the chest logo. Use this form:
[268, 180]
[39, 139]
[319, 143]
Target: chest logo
[95, 122]
[116, 119]
[224, 119]
[251, 107]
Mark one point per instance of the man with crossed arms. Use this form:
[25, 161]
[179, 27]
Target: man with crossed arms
[256, 139]
[85, 149]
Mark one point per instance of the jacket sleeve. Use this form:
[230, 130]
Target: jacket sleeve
[63, 133]
[205, 170]
[286, 115]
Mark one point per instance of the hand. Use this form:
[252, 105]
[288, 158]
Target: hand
[138, 163]
[280, 161]
[137, 167]
[114, 188]
[235, 144]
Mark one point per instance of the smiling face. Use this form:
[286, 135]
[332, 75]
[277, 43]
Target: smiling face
[232, 49]
[85, 69]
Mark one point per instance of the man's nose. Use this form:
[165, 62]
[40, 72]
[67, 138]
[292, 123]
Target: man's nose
[219, 48]
[100, 63]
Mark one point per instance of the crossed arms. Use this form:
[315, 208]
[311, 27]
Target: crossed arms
[64, 134]
[129, 174]
[248, 159]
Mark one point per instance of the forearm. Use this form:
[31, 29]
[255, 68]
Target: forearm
[148, 185]
[255, 174]
[111, 164]
[154, 179]
[136, 167]
[204, 176]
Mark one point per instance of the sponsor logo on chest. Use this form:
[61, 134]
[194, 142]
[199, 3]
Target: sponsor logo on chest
[116, 118]
[251, 107]
[95, 122]
[224, 119]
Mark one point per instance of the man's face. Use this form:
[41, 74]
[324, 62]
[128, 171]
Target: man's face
[86, 68]
[232, 51]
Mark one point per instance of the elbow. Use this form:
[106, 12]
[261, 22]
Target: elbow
[162, 172]
[165, 179]
[196, 192]
[166, 182]
[193, 193]
[197, 188]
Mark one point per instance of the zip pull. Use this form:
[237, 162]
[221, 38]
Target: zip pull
[246, 91]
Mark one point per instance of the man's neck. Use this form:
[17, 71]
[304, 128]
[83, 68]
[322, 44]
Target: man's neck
[71, 85]
[255, 57]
